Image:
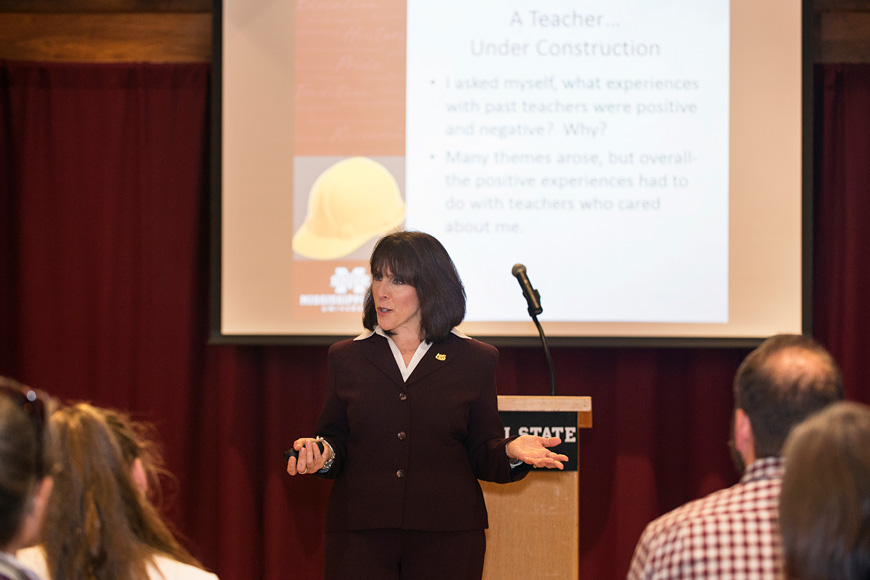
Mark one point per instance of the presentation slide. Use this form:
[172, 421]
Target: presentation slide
[588, 141]
[641, 159]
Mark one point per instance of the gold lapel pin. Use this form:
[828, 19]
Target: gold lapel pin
[440, 356]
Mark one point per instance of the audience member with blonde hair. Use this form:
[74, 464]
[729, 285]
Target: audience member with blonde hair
[100, 524]
[824, 505]
[25, 474]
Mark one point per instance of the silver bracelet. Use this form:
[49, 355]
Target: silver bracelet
[514, 461]
[329, 461]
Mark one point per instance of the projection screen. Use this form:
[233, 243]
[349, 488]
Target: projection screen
[647, 161]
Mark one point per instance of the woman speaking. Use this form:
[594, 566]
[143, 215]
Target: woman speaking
[409, 424]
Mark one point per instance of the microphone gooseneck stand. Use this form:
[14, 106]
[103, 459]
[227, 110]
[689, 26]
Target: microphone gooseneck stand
[533, 299]
[546, 352]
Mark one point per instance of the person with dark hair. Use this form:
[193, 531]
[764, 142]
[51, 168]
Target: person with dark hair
[824, 505]
[25, 474]
[734, 533]
[100, 523]
[409, 424]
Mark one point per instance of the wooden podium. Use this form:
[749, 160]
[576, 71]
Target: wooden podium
[534, 523]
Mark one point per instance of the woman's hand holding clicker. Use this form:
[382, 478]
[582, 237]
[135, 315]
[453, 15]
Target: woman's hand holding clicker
[310, 459]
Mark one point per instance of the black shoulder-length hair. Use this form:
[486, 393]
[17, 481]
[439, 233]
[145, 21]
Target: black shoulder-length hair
[420, 260]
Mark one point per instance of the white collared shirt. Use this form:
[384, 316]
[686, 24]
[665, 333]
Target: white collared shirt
[400, 360]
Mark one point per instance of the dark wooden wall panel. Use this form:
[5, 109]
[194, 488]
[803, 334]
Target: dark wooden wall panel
[843, 37]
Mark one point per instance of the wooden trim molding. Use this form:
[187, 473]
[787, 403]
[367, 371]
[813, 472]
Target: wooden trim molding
[87, 6]
[181, 30]
[106, 37]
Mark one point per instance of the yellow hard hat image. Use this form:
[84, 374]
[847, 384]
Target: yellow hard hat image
[351, 202]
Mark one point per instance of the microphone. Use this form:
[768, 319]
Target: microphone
[532, 297]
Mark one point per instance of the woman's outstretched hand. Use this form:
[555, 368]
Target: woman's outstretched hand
[533, 450]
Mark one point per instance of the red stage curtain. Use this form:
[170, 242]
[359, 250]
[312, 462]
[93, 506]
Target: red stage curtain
[104, 296]
[842, 210]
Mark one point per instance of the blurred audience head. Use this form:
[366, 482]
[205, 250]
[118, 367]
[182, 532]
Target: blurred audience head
[824, 508]
[25, 465]
[778, 385]
[100, 523]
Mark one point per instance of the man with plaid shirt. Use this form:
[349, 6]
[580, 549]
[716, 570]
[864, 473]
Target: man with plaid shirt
[734, 533]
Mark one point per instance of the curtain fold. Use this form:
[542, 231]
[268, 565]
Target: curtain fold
[104, 296]
[842, 208]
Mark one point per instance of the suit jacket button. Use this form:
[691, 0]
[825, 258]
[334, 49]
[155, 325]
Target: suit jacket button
[402, 396]
[401, 435]
[400, 474]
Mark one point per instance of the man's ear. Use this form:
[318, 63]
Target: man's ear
[744, 439]
[137, 472]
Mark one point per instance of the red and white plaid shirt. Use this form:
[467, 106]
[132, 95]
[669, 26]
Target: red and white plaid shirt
[730, 534]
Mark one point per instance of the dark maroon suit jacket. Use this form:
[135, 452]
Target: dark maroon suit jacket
[409, 454]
